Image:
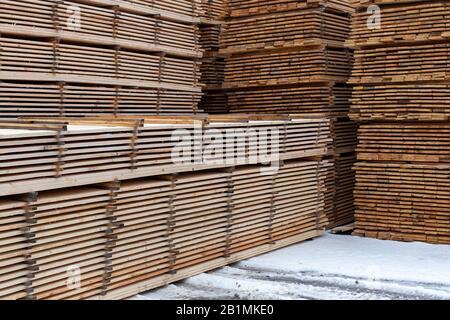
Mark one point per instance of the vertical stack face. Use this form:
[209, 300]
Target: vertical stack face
[290, 57]
[72, 58]
[401, 97]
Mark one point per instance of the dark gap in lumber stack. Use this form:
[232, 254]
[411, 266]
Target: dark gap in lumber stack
[214, 99]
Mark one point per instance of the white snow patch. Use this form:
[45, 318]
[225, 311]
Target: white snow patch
[362, 258]
[331, 267]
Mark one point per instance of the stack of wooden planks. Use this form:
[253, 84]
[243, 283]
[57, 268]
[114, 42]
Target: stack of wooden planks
[97, 24]
[73, 151]
[89, 47]
[404, 201]
[283, 29]
[405, 23]
[401, 94]
[112, 180]
[238, 8]
[96, 208]
[67, 62]
[400, 69]
[214, 99]
[63, 229]
[13, 259]
[315, 64]
[406, 141]
[401, 101]
[303, 98]
[214, 9]
[290, 57]
[21, 99]
[173, 8]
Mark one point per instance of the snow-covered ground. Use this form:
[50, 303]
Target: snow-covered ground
[330, 267]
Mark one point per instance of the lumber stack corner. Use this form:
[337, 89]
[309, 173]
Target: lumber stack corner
[291, 57]
[400, 98]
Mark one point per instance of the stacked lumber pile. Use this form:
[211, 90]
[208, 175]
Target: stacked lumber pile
[106, 189]
[238, 8]
[174, 8]
[307, 99]
[214, 9]
[214, 99]
[289, 56]
[404, 201]
[75, 57]
[62, 228]
[284, 29]
[401, 98]
[21, 99]
[76, 224]
[72, 151]
[315, 64]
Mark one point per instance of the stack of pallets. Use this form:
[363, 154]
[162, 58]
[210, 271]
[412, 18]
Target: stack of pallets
[68, 58]
[98, 207]
[290, 57]
[401, 95]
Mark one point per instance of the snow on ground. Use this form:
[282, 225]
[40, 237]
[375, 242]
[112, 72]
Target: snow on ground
[330, 267]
